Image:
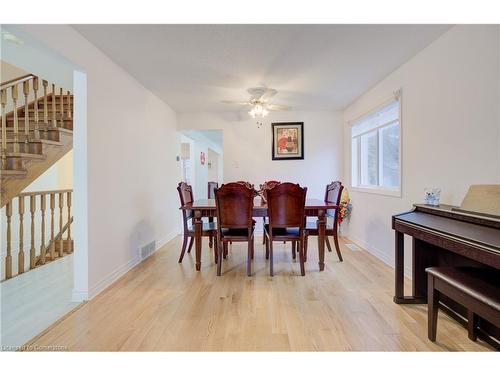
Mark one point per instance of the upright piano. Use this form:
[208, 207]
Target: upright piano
[446, 235]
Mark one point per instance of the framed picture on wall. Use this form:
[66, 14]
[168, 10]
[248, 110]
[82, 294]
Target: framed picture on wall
[288, 141]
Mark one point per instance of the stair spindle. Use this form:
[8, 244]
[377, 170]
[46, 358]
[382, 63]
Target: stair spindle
[15, 96]
[68, 203]
[3, 103]
[32, 248]
[69, 104]
[36, 132]
[45, 105]
[20, 255]
[54, 120]
[26, 92]
[61, 101]
[61, 240]
[42, 245]
[52, 240]
[8, 258]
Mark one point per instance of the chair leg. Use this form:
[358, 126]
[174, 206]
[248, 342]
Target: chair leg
[301, 258]
[264, 232]
[191, 242]
[271, 268]
[305, 248]
[184, 244]
[220, 245]
[328, 244]
[337, 247]
[471, 325]
[253, 246]
[294, 250]
[216, 251]
[267, 247]
[432, 309]
[249, 258]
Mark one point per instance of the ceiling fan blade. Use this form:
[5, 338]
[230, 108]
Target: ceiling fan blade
[268, 94]
[261, 93]
[278, 107]
[235, 102]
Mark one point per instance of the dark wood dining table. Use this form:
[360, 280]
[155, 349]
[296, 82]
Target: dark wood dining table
[206, 208]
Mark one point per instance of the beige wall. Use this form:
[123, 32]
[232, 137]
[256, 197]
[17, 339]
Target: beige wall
[450, 129]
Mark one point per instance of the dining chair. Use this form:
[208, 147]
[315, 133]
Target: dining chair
[234, 204]
[333, 195]
[211, 186]
[208, 229]
[264, 188]
[286, 212]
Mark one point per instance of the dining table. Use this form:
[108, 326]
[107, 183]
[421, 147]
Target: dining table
[206, 208]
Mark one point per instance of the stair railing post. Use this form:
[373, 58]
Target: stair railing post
[42, 245]
[61, 103]
[54, 120]
[36, 132]
[20, 255]
[32, 248]
[26, 92]
[15, 96]
[68, 203]
[69, 104]
[45, 105]
[52, 240]
[8, 257]
[61, 240]
[3, 103]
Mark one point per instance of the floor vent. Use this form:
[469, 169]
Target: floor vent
[353, 247]
[147, 250]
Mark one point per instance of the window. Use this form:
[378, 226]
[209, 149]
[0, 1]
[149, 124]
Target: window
[375, 150]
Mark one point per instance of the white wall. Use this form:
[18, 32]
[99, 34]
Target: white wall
[131, 167]
[247, 149]
[450, 129]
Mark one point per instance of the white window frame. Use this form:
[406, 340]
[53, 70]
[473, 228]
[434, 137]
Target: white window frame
[394, 192]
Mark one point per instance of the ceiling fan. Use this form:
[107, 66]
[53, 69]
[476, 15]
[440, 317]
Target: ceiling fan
[259, 102]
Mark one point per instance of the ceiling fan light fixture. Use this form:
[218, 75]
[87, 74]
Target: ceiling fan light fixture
[258, 110]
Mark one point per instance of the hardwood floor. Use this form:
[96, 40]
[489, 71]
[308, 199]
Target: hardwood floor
[165, 306]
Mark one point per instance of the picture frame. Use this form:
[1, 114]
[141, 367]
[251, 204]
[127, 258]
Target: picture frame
[288, 141]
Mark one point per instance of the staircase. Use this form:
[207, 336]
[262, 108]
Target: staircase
[36, 132]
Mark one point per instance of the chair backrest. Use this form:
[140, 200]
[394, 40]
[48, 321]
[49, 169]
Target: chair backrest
[234, 204]
[286, 205]
[333, 194]
[186, 196]
[266, 186]
[245, 183]
[211, 186]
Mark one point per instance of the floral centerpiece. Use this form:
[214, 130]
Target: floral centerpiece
[345, 206]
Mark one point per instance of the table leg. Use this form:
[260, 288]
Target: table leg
[197, 237]
[321, 224]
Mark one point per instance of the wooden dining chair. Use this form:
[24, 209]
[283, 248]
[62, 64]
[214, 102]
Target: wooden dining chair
[264, 188]
[286, 210]
[211, 186]
[208, 230]
[234, 203]
[333, 195]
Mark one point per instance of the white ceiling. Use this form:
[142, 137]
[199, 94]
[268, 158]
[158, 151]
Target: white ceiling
[313, 67]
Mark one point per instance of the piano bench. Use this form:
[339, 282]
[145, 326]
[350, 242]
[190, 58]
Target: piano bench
[477, 289]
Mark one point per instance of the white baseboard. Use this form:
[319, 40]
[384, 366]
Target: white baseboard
[79, 296]
[382, 255]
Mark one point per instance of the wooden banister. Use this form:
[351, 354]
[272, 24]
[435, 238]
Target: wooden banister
[16, 80]
[58, 244]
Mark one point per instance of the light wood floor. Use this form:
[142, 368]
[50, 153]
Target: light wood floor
[165, 306]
